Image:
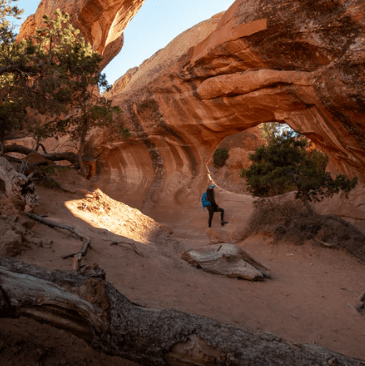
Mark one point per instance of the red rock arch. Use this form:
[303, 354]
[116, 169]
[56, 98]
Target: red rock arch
[296, 62]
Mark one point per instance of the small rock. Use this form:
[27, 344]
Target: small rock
[19, 229]
[10, 244]
[167, 228]
[38, 242]
[332, 361]
[47, 242]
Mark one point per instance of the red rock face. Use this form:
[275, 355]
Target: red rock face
[121, 83]
[101, 22]
[297, 62]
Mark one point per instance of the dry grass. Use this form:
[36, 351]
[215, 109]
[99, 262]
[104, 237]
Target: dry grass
[288, 220]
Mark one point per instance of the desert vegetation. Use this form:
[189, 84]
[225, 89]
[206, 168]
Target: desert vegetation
[286, 164]
[153, 307]
[220, 156]
[56, 75]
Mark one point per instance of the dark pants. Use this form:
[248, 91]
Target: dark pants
[213, 209]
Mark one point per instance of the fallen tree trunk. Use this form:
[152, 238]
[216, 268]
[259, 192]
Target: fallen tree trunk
[69, 156]
[18, 187]
[95, 311]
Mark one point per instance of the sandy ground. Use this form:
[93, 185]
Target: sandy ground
[305, 301]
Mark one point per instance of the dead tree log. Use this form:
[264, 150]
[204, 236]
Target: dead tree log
[17, 186]
[95, 311]
[69, 156]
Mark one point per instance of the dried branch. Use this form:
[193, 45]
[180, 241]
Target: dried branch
[127, 243]
[77, 256]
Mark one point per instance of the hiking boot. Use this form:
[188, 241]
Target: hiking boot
[223, 223]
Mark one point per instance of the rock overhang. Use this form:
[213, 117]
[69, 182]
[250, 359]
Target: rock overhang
[299, 63]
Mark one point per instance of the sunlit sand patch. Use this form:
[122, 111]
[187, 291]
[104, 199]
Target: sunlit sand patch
[101, 211]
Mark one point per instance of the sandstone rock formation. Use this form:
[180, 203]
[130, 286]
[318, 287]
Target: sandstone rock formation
[299, 63]
[121, 83]
[101, 22]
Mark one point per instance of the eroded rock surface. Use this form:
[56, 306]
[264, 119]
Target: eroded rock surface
[300, 63]
[295, 62]
[101, 22]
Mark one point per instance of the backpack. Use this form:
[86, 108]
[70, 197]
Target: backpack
[205, 201]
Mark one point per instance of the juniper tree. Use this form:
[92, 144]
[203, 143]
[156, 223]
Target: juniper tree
[77, 85]
[54, 73]
[286, 164]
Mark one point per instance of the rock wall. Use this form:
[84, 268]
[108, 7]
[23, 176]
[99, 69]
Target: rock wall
[101, 22]
[296, 62]
[160, 166]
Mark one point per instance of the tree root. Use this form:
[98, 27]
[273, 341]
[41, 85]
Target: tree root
[126, 243]
[346, 224]
[86, 240]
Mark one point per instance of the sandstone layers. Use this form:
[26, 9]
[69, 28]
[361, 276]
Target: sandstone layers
[295, 62]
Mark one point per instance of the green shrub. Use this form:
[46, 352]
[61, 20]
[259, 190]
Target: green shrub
[285, 164]
[220, 157]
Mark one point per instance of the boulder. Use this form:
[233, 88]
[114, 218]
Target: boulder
[229, 260]
[10, 243]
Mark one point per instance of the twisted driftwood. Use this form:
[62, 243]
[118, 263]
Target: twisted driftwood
[18, 187]
[94, 310]
[229, 260]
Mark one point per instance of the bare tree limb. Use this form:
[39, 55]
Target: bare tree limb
[126, 243]
[69, 156]
[60, 226]
[86, 240]
[346, 224]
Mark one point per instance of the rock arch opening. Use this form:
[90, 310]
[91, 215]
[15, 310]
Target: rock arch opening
[239, 146]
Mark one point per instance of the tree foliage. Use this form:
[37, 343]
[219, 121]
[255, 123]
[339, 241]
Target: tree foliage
[286, 164]
[54, 73]
[220, 156]
[270, 130]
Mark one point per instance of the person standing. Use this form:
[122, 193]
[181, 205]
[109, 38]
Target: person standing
[213, 207]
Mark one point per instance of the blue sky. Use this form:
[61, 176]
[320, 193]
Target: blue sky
[156, 24]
